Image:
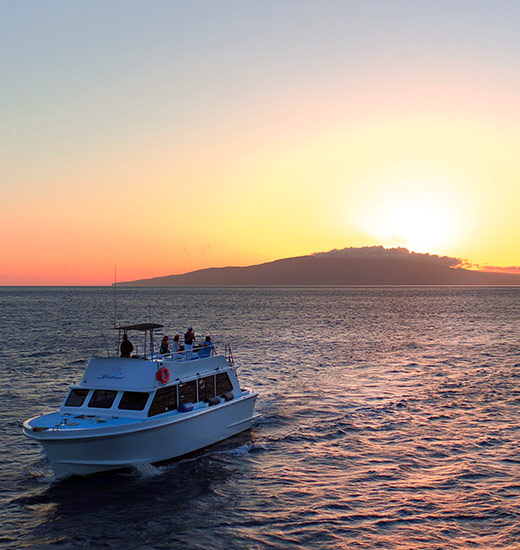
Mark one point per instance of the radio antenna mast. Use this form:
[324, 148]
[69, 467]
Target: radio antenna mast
[115, 296]
[115, 309]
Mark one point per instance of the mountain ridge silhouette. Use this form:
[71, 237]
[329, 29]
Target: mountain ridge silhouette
[349, 266]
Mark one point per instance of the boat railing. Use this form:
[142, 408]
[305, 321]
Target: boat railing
[229, 355]
[175, 355]
[185, 355]
[182, 355]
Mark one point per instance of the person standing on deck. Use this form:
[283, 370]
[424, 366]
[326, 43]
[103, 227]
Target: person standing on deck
[189, 338]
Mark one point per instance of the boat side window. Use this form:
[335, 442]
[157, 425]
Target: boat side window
[206, 388]
[188, 392]
[133, 400]
[102, 399]
[76, 397]
[223, 383]
[165, 399]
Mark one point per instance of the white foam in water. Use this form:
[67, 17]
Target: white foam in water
[240, 451]
[245, 449]
[147, 471]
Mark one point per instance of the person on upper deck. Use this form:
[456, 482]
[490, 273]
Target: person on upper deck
[126, 346]
[176, 346]
[207, 348]
[165, 346]
[189, 338]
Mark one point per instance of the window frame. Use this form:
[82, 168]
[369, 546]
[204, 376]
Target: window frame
[174, 389]
[140, 393]
[181, 399]
[94, 392]
[221, 375]
[203, 378]
[66, 404]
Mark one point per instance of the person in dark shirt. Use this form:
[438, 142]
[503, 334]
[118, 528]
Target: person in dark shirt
[165, 346]
[126, 347]
[189, 338]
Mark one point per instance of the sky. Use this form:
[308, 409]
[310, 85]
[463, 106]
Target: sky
[149, 138]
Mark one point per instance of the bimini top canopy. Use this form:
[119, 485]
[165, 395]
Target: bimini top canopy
[141, 326]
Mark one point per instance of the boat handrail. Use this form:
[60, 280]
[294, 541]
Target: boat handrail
[229, 355]
[181, 355]
[190, 355]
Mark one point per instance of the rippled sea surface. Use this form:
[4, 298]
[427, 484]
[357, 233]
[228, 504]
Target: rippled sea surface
[390, 418]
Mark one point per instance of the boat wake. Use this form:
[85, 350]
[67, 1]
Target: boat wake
[243, 450]
[149, 471]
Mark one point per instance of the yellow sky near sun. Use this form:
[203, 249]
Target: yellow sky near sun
[432, 185]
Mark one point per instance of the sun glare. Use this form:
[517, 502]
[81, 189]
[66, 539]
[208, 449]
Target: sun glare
[419, 215]
[414, 225]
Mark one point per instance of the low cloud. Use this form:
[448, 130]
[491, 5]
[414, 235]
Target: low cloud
[492, 268]
[403, 254]
[379, 253]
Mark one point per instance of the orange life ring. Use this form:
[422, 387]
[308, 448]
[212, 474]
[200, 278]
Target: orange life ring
[163, 375]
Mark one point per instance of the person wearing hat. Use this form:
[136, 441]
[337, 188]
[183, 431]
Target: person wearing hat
[189, 338]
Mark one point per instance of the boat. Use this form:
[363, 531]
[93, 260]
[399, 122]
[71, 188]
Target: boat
[146, 408]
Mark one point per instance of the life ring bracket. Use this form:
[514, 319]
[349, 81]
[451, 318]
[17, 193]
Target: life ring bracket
[163, 375]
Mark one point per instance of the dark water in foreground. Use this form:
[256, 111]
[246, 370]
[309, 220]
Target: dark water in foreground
[390, 419]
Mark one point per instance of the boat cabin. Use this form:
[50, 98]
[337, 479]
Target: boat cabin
[147, 385]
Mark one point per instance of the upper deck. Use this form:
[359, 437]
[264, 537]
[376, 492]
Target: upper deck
[135, 374]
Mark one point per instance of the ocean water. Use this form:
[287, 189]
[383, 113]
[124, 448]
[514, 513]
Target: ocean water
[390, 418]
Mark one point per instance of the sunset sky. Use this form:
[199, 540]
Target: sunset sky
[168, 136]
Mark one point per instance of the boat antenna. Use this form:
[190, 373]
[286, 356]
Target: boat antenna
[115, 309]
[115, 296]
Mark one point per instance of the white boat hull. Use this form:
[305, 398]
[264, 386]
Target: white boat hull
[150, 441]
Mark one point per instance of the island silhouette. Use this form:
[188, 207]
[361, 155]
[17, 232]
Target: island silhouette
[374, 265]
